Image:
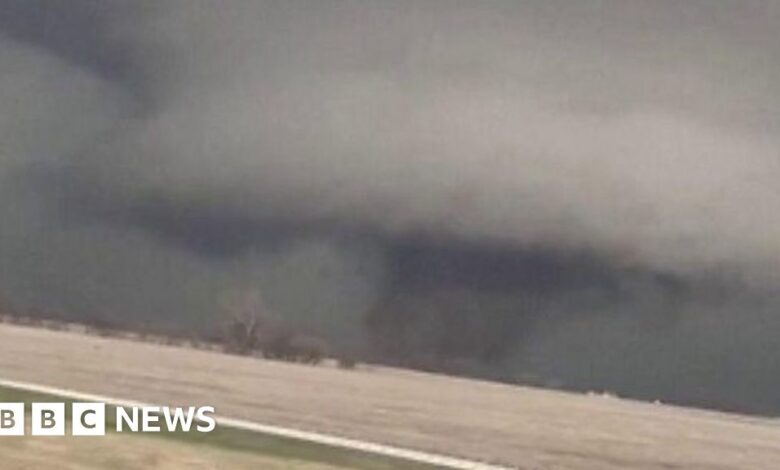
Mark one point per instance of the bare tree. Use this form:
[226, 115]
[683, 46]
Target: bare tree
[249, 326]
[245, 316]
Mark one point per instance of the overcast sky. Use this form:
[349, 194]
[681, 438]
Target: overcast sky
[618, 160]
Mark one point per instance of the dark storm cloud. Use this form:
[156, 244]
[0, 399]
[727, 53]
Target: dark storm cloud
[508, 179]
[469, 122]
[80, 31]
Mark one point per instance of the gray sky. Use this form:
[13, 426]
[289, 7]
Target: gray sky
[617, 159]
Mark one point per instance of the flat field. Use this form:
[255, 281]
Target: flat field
[225, 448]
[517, 426]
[120, 452]
[130, 451]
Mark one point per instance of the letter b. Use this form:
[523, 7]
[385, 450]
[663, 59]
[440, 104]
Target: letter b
[11, 419]
[48, 419]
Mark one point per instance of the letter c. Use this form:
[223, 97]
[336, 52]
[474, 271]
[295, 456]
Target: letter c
[84, 421]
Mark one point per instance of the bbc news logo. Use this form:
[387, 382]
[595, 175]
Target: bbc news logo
[89, 419]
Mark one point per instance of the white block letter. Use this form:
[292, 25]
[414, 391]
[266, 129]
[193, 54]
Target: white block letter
[177, 416]
[150, 418]
[89, 419]
[11, 419]
[123, 417]
[48, 419]
[207, 421]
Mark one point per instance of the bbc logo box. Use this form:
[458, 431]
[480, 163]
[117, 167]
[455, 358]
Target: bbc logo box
[11, 419]
[49, 419]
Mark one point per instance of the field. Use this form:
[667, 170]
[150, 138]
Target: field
[128, 451]
[226, 448]
[136, 452]
[516, 426]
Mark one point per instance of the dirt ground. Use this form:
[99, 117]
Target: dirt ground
[120, 452]
[523, 427]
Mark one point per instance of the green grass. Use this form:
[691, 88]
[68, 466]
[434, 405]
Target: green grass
[241, 440]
